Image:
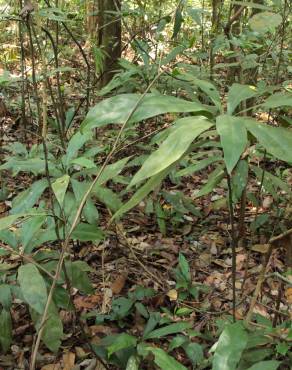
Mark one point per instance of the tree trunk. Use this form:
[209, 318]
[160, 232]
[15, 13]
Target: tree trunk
[109, 36]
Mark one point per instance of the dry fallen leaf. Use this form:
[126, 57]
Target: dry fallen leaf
[172, 295]
[288, 294]
[87, 302]
[261, 248]
[68, 360]
[119, 283]
[52, 367]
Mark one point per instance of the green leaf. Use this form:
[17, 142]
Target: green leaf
[238, 93]
[108, 197]
[121, 342]
[141, 193]
[60, 187]
[278, 100]
[213, 180]
[177, 341]
[28, 231]
[233, 137]
[178, 19]
[164, 361]
[118, 108]
[83, 162]
[177, 327]
[28, 198]
[6, 222]
[229, 347]
[276, 140]
[33, 287]
[177, 143]
[78, 277]
[76, 142]
[194, 352]
[86, 232]
[239, 179]
[5, 330]
[184, 267]
[266, 365]
[133, 363]
[5, 296]
[200, 165]
[112, 170]
[265, 21]
[53, 328]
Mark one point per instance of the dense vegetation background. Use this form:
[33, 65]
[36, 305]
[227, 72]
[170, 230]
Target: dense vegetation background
[145, 184]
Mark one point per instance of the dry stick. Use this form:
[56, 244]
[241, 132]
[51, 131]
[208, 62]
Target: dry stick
[65, 245]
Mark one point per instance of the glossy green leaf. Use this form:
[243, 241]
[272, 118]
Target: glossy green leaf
[233, 137]
[177, 327]
[278, 100]
[238, 93]
[266, 365]
[59, 187]
[230, 346]
[118, 108]
[33, 287]
[177, 143]
[141, 193]
[5, 330]
[122, 341]
[276, 140]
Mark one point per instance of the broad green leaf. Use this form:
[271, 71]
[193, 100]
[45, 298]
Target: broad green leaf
[118, 108]
[5, 296]
[238, 93]
[5, 330]
[233, 137]
[229, 347]
[184, 267]
[78, 277]
[271, 179]
[251, 4]
[112, 170]
[207, 87]
[60, 187]
[76, 142]
[122, 341]
[178, 19]
[239, 179]
[6, 222]
[177, 327]
[266, 365]
[29, 228]
[194, 352]
[265, 21]
[30, 165]
[83, 162]
[33, 287]
[90, 211]
[278, 100]
[108, 197]
[141, 193]
[276, 140]
[177, 341]
[133, 363]
[200, 165]
[164, 361]
[86, 232]
[28, 198]
[53, 327]
[177, 143]
[213, 180]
